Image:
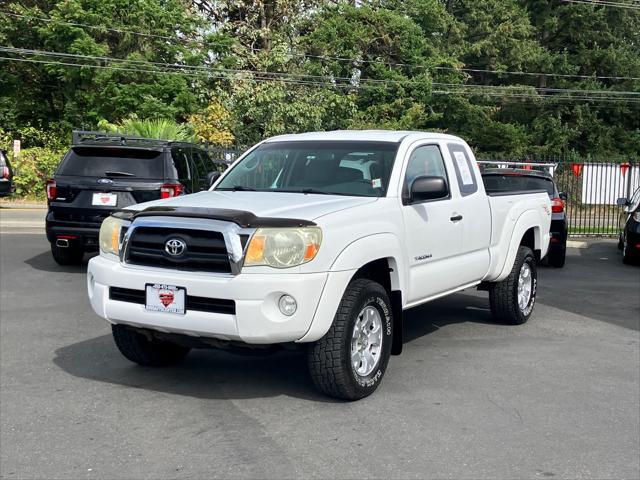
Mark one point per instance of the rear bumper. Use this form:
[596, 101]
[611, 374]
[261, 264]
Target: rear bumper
[85, 234]
[6, 188]
[257, 319]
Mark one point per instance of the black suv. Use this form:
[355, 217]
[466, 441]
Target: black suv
[520, 179]
[6, 175]
[103, 172]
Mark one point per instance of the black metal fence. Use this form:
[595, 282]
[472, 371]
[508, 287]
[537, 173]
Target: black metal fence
[592, 190]
[592, 187]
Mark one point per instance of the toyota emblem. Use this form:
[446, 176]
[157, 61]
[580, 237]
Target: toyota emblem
[175, 247]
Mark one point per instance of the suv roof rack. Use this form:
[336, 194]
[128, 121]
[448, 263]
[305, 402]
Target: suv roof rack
[88, 137]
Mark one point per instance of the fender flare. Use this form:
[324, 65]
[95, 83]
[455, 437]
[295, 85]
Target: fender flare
[354, 256]
[525, 221]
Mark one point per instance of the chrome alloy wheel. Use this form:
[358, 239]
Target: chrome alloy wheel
[366, 341]
[525, 282]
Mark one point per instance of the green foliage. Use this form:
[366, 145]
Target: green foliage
[162, 128]
[32, 168]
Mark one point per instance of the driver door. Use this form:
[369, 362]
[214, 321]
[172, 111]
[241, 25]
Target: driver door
[433, 237]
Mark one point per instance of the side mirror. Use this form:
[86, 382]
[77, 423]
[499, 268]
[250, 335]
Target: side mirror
[563, 196]
[622, 202]
[212, 177]
[428, 188]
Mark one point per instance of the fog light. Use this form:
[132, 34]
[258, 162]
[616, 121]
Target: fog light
[287, 305]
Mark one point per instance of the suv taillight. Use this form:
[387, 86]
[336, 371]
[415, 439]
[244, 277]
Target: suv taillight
[5, 172]
[169, 190]
[52, 189]
[557, 205]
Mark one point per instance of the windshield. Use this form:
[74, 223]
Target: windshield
[512, 183]
[332, 168]
[113, 162]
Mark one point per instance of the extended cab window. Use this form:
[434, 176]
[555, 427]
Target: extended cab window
[113, 162]
[424, 161]
[464, 170]
[325, 167]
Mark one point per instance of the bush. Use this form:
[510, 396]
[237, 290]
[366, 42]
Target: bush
[32, 169]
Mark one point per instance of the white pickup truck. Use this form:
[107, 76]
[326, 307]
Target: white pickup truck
[319, 240]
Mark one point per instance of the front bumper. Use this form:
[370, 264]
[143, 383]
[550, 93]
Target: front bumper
[257, 319]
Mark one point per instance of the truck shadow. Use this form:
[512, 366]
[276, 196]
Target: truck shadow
[458, 308]
[206, 374]
[214, 374]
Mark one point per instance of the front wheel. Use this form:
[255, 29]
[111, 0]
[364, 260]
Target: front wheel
[350, 360]
[149, 352]
[513, 298]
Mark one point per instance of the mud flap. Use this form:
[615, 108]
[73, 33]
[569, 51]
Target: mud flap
[397, 339]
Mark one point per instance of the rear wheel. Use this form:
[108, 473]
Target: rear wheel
[626, 257]
[350, 360]
[145, 351]
[71, 255]
[513, 298]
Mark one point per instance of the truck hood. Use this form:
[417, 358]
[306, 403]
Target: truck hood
[264, 204]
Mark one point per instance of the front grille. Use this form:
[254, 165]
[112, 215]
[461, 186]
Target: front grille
[205, 250]
[200, 304]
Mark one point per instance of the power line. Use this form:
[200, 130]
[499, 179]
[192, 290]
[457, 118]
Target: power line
[345, 81]
[329, 57]
[630, 6]
[325, 84]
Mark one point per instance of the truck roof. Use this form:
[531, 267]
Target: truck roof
[392, 136]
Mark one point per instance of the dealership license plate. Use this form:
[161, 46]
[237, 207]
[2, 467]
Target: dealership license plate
[165, 298]
[105, 199]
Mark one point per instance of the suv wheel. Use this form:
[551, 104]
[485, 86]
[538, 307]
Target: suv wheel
[147, 352]
[557, 259]
[67, 255]
[350, 360]
[626, 258]
[513, 298]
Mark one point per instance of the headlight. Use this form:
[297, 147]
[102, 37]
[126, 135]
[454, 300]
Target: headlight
[110, 235]
[283, 247]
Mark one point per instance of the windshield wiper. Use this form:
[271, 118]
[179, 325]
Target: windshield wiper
[238, 188]
[111, 173]
[305, 191]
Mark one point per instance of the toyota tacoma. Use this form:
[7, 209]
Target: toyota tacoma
[317, 241]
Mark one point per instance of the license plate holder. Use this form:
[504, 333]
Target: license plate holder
[165, 298]
[105, 199]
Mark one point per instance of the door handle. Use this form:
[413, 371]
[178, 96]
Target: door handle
[456, 218]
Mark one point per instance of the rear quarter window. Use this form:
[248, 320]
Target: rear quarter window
[465, 173]
[98, 162]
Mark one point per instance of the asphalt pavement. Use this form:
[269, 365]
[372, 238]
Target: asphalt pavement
[556, 398]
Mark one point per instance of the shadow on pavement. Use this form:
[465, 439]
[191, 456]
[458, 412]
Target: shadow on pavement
[206, 374]
[45, 262]
[594, 283]
[457, 308]
[214, 374]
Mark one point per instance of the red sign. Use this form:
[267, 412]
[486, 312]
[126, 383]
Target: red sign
[623, 168]
[166, 298]
[577, 168]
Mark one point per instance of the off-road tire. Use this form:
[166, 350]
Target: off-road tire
[503, 296]
[329, 359]
[147, 352]
[72, 255]
[557, 259]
